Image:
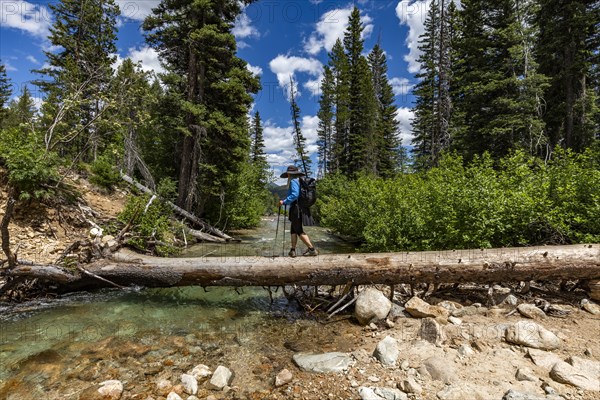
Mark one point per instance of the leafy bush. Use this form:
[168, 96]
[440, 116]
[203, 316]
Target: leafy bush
[519, 201]
[104, 173]
[30, 168]
[151, 228]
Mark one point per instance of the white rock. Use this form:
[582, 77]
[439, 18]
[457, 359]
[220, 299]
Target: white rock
[454, 320]
[367, 393]
[459, 392]
[220, 378]
[174, 396]
[201, 371]
[531, 311]
[283, 377]
[511, 300]
[544, 359]
[514, 395]
[590, 307]
[440, 369]
[387, 351]
[530, 334]
[371, 304]
[421, 309]
[111, 390]
[327, 362]
[465, 350]
[583, 374]
[190, 384]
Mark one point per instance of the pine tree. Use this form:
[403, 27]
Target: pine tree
[195, 42]
[567, 49]
[78, 74]
[326, 123]
[303, 161]
[340, 68]
[500, 88]
[257, 153]
[386, 126]
[5, 91]
[21, 113]
[362, 146]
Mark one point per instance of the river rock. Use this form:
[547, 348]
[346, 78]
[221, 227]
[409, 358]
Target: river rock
[200, 372]
[421, 309]
[525, 374]
[544, 359]
[387, 351]
[111, 390]
[190, 384]
[283, 377]
[530, 334]
[431, 331]
[371, 305]
[440, 369]
[459, 392]
[514, 395]
[531, 311]
[590, 307]
[410, 385]
[584, 374]
[221, 377]
[174, 396]
[322, 363]
[376, 393]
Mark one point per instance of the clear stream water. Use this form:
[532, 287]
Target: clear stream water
[61, 347]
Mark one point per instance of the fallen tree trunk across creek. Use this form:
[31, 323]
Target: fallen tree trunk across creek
[479, 266]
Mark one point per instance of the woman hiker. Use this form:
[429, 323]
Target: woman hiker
[296, 214]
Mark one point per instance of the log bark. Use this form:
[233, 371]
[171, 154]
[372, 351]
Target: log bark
[210, 230]
[480, 266]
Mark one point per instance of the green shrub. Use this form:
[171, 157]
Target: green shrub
[104, 173]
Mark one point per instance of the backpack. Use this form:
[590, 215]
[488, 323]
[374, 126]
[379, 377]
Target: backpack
[308, 192]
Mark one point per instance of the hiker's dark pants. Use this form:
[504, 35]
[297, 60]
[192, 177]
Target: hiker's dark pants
[295, 216]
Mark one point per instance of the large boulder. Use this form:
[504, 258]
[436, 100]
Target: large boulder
[421, 309]
[322, 363]
[584, 374]
[371, 305]
[530, 334]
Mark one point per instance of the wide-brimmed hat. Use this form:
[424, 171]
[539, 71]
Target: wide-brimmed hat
[292, 171]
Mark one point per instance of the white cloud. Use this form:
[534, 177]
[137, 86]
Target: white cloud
[404, 116]
[256, 70]
[243, 27]
[412, 14]
[32, 60]
[147, 56]
[279, 141]
[400, 86]
[285, 67]
[31, 18]
[136, 9]
[8, 66]
[331, 27]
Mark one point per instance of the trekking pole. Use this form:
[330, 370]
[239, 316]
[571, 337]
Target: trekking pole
[277, 230]
[284, 218]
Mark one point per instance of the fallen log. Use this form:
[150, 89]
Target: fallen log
[479, 266]
[210, 230]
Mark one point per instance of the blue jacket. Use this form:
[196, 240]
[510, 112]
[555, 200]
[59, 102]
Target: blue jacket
[293, 192]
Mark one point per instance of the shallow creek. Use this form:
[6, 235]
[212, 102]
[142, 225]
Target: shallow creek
[62, 347]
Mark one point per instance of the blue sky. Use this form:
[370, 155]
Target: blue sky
[278, 39]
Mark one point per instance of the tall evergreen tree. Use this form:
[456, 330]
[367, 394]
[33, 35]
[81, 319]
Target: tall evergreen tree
[21, 112]
[303, 160]
[499, 85]
[5, 91]
[567, 49]
[340, 68]
[195, 41]
[386, 126]
[258, 156]
[79, 73]
[326, 116]
[362, 144]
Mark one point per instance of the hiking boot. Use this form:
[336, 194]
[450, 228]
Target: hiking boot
[309, 252]
[292, 253]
